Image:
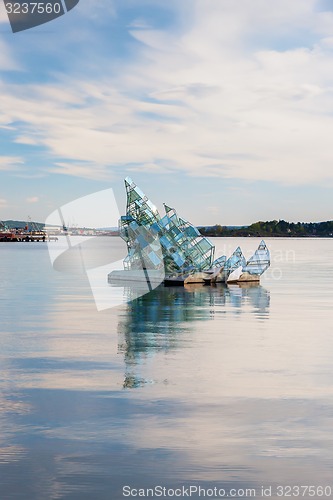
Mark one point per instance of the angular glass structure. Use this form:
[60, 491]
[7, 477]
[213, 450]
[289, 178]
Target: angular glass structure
[236, 260]
[184, 249]
[259, 262]
[172, 245]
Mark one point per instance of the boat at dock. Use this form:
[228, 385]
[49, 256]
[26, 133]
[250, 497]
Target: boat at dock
[21, 234]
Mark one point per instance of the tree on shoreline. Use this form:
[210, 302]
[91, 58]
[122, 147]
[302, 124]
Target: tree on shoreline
[273, 228]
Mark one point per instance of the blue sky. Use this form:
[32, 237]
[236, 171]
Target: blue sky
[221, 108]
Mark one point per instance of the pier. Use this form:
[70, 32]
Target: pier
[12, 236]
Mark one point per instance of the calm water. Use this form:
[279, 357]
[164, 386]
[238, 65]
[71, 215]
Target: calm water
[227, 386]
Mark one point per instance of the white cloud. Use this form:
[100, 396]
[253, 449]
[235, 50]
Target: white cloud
[84, 170]
[10, 162]
[3, 13]
[25, 140]
[32, 199]
[243, 90]
[3, 203]
[7, 60]
[96, 10]
[139, 23]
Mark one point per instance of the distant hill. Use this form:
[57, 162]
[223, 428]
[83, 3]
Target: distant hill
[13, 224]
[273, 228]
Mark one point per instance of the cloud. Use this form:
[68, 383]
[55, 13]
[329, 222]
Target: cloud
[84, 169]
[3, 203]
[235, 90]
[3, 13]
[25, 140]
[7, 60]
[97, 10]
[10, 162]
[32, 199]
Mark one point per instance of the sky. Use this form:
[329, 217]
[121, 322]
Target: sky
[222, 109]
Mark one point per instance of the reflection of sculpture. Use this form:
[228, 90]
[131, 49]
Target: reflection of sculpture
[172, 245]
[156, 321]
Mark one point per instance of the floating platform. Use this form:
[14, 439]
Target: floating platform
[156, 277]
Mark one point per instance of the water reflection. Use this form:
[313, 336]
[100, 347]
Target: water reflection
[157, 321]
[11, 406]
[244, 392]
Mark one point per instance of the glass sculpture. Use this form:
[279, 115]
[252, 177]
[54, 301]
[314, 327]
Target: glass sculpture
[184, 250]
[173, 245]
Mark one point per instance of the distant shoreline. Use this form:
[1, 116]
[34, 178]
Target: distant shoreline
[273, 229]
[276, 229]
[313, 237]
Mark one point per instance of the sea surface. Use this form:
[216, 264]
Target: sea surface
[195, 387]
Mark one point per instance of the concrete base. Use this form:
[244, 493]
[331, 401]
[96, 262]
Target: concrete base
[246, 277]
